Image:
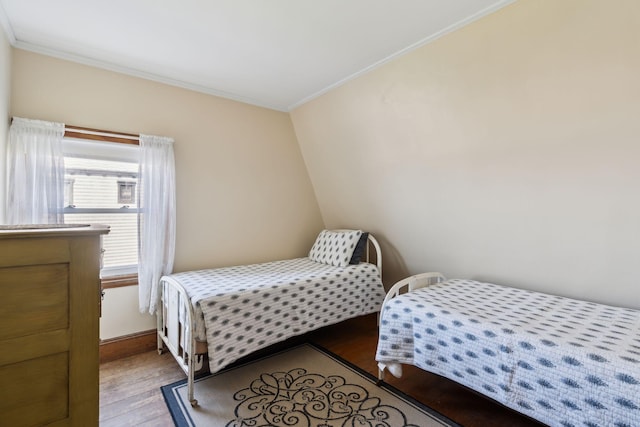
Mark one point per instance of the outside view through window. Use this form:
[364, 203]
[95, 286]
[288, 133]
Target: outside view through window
[105, 192]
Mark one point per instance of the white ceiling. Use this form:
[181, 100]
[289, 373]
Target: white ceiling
[272, 53]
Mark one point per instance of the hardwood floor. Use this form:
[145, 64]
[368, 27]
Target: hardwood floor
[130, 387]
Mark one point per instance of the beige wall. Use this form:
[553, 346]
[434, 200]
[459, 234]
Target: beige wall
[5, 99]
[507, 151]
[243, 192]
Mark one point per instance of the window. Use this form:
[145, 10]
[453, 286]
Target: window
[100, 188]
[126, 192]
[68, 192]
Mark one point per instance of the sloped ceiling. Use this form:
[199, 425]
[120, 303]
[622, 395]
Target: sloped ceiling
[276, 54]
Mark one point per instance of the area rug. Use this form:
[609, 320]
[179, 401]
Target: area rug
[304, 386]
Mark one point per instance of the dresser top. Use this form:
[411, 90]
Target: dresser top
[52, 230]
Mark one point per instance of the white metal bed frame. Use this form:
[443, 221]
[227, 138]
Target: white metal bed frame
[176, 336]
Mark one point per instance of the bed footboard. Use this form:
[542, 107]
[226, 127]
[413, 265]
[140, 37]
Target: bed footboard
[175, 325]
[411, 283]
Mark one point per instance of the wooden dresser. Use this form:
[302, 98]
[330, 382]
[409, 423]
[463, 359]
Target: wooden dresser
[49, 325]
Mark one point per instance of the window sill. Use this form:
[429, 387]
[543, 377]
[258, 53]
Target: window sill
[119, 281]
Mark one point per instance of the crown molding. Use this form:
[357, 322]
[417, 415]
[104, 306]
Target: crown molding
[6, 26]
[451, 28]
[96, 63]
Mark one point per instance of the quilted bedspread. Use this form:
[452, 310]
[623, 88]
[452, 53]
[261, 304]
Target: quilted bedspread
[248, 307]
[561, 361]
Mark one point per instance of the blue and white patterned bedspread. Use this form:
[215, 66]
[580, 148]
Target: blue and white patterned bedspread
[561, 361]
[248, 307]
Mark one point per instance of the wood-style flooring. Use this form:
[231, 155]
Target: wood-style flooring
[130, 387]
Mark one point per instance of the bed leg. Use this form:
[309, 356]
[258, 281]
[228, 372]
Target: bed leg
[190, 392]
[160, 330]
[160, 344]
[380, 377]
[191, 371]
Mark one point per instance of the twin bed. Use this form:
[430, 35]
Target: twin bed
[561, 361]
[227, 313]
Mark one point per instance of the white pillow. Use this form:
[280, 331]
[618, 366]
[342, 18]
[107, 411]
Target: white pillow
[335, 247]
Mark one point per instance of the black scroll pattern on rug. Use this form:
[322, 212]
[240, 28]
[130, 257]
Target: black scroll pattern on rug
[298, 398]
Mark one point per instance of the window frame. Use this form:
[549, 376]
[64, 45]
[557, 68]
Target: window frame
[93, 141]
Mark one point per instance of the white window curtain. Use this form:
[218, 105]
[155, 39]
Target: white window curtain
[36, 172]
[156, 220]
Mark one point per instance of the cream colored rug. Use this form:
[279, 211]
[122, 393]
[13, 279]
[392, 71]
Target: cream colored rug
[304, 387]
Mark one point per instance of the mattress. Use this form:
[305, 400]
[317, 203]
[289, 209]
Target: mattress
[562, 361]
[244, 308]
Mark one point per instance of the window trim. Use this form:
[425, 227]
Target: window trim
[96, 135]
[78, 132]
[119, 281]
